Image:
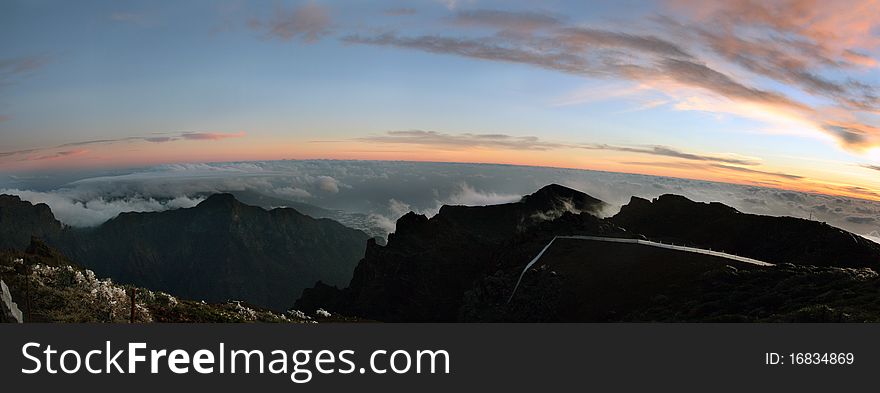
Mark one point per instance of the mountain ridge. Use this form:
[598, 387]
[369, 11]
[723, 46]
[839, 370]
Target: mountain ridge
[428, 264]
[218, 250]
[458, 265]
[19, 220]
[462, 263]
[674, 218]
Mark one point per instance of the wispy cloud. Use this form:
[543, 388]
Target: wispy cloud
[208, 136]
[666, 151]
[58, 154]
[505, 20]
[440, 140]
[4, 154]
[585, 39]
[853, 134]
[486, 49]
[870, 166]
[20, 65]
[807, 45]
[835, 26]
[795, 63]
[61, 151]
[307, 23]
[715, 165]
[14, 68]
[594, 53]
[787, 176]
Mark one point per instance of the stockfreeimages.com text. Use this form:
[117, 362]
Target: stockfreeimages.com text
[301, 365]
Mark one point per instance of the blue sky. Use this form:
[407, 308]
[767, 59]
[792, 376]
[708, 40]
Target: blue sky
[779, 93]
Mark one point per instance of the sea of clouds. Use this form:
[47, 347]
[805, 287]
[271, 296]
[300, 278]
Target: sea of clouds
[385, 190]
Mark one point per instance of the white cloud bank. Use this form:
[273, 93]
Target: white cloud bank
[384, 190]
[86, 213]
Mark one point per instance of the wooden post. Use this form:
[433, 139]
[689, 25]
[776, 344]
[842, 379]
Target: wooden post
[133, 300]
[27, 291]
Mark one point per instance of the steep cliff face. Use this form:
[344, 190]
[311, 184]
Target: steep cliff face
[19, 220]
[428, 264]
[677, 219]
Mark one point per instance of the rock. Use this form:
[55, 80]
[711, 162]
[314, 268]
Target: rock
[676, 219]
[9, 312]
[19, 220]
[428, 265]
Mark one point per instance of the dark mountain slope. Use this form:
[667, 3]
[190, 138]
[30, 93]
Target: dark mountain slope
[463, 263]
[19, 220]
[589, 281]
[679, 220]
[428, 264]
[578, 280]
[221, 249]
[351, 220]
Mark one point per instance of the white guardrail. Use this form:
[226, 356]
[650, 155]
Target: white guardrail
[636, 241]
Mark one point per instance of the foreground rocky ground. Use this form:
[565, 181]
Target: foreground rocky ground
[50, 288]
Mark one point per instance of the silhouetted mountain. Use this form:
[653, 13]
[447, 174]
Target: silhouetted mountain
[676, 219]
[221, 249]
[19, 220]
[463, 265]
[428, 264]
[351, 220]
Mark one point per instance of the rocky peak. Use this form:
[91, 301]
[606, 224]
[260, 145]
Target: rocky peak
[19, 220]
[555, 196]
[219, 201]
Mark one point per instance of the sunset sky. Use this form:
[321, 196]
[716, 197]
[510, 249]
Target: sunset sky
[776, 93]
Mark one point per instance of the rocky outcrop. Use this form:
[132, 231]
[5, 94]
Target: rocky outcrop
[19, 220]
[9, 312]
[428, 265]
[463, 263]
[676, 219]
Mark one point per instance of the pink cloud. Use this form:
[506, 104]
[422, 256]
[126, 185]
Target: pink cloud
[211, 136]
[57, 155]
[837, 26]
